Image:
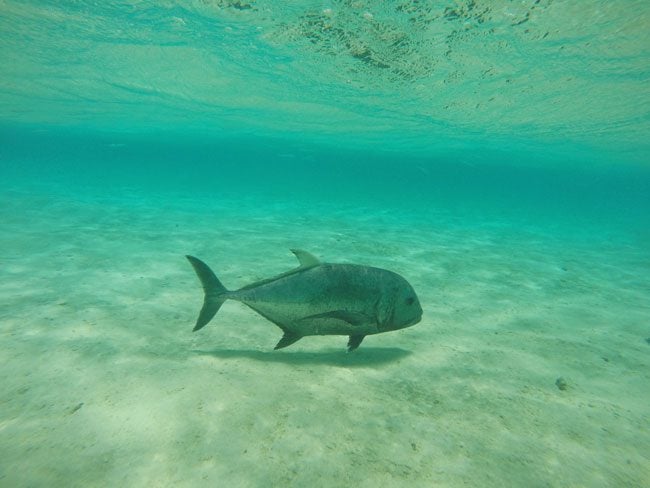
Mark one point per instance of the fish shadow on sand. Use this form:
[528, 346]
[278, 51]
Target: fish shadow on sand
[368, 356]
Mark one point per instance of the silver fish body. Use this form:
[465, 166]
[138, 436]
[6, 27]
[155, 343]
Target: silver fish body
[320, 299]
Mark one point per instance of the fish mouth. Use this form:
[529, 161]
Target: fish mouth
[416, 319]
[411, 322]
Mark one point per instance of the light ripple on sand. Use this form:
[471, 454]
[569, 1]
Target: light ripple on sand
[98, 305]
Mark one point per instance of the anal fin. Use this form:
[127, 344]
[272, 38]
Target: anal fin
[287, 339]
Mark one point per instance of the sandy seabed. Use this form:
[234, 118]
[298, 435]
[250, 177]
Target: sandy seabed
[104, 384]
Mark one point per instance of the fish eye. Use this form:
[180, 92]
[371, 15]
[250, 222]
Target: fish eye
[410, 300]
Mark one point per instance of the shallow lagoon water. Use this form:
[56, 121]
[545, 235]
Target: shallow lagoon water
[527, 241]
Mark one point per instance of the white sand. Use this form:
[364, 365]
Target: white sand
[104, 384]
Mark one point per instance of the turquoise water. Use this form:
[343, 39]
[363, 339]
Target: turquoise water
[493, 153]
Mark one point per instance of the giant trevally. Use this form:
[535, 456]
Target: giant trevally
[320, 299]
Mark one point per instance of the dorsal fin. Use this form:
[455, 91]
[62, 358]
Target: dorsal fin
[305, 259]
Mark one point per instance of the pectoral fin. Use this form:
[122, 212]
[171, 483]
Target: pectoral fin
[352, 318]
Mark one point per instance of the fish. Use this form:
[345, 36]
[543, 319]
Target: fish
[319, 299]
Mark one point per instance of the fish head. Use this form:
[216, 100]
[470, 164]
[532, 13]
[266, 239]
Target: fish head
[399, 307]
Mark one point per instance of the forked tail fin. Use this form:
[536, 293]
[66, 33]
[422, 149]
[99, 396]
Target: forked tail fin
[215, 292]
